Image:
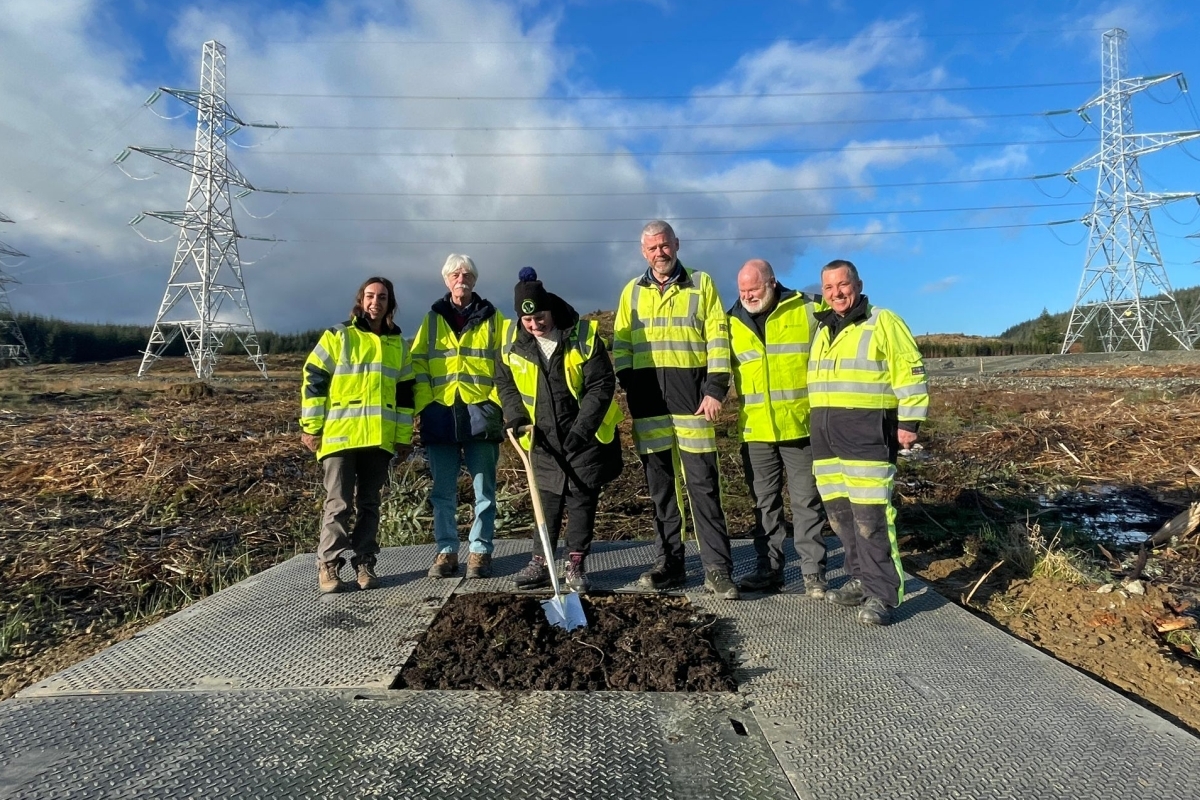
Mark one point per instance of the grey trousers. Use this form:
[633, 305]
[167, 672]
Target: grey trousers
[764, 464]
[353, 479]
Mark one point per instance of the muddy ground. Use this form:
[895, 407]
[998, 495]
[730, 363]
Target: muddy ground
[123, 500]
[631, 644]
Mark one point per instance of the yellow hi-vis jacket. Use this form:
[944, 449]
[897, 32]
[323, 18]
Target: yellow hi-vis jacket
[682, 330]
[578, 348]
[772, 378]
[463, 365]
[873, 363]
[358, 389]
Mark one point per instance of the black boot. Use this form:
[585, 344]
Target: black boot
[535, 575]
[763, 579]
[663, 575]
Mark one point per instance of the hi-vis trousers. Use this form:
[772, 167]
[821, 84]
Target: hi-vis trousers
[680, 449]
[858, 501]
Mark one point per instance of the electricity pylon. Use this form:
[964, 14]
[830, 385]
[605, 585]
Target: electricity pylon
[12, 342]
[206, 275]
[1124, 263]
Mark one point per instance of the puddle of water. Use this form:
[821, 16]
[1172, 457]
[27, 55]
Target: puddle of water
[1122, 515]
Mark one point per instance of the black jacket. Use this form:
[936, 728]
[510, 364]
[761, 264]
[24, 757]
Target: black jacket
[558, 413]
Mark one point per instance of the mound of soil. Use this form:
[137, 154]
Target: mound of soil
[631, 643]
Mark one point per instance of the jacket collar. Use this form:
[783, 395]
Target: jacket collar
[389, 328]
[857, 313]
[681, 277]
[741, 312]
[478, 311]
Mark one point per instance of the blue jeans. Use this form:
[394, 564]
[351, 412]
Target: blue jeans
[445, 460]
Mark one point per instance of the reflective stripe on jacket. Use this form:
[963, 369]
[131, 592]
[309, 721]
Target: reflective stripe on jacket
[578, 348]
[358, 389]
[462, 366]
[671, 348]
[772, 378]
[683, 326]
[873, 363]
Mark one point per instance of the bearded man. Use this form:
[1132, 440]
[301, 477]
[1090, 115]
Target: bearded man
[770, 331]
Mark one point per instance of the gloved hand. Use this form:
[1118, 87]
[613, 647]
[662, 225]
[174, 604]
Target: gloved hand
[575, 442]
[513, 424]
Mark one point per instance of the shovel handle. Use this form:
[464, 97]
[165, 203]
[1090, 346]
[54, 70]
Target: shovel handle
[538, 516]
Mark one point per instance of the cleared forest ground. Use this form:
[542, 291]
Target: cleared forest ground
[124, 500]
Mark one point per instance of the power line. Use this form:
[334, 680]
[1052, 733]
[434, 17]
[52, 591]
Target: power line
[543, 243]
[680, 192]
[668, 126]
[709, 96]
[686, 40]
[660, 153]
[675, 217]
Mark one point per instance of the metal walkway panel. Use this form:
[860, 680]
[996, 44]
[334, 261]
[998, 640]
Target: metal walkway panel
[939, 704]
[329, 744]
[275, 630]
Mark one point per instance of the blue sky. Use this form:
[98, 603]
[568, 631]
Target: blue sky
[900, 135]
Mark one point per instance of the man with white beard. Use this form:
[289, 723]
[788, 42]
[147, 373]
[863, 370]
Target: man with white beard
[770, 331]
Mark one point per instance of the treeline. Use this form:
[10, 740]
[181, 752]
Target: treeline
[932, 347]
[56, 341]
[1054, 326]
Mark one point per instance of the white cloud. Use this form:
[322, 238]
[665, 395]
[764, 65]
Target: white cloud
[73, 207]
[941, 285]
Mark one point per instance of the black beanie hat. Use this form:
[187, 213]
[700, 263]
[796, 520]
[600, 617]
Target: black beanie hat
[529, 296]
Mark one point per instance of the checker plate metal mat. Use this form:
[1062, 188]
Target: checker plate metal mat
[326, 744]
[232, 695]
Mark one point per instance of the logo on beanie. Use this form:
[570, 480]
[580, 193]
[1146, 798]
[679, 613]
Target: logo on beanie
[528, 306]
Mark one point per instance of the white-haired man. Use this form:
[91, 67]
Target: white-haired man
[770, 332]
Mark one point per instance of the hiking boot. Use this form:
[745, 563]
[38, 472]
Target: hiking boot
[664, 575]
[851, 594]
[575, 576]
[328, 579]
[719, 583]
[534, 575]
[479, 565]
[815, 587]
[444, 566]
[367, 579]
[874, 612]
[763, 579]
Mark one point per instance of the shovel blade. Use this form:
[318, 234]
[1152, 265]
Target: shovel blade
[565, 611]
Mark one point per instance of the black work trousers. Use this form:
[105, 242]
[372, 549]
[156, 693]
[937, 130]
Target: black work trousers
[703, 484]
[580, 507]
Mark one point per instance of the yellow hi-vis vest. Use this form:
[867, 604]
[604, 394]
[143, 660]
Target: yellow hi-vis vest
[578, 348]
[348, 394]
[874, 364]
[684, 326]
[449, 365]
[772, 379]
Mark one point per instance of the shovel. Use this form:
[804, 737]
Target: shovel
[562, 610]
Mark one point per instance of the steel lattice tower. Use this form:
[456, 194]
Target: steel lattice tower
[1123, 259]
[206, 275]
[12, 341]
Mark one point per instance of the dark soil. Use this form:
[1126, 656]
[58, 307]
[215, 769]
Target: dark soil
[630, 644]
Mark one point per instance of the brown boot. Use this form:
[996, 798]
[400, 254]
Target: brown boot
[444, 566]
[328, 579]
[367, 579]
[479, 565]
